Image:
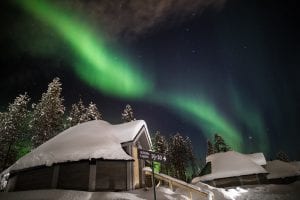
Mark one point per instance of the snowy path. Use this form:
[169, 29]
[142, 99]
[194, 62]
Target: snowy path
[141, 194]
[261, 192]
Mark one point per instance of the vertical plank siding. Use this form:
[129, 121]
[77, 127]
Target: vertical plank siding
[111, 175]
[100, 175]
[74, 175]
[37, 178]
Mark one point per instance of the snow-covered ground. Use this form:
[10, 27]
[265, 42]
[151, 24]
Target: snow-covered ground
[258, 192]
[140, 194]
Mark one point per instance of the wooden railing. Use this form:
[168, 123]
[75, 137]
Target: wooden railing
[191, 189]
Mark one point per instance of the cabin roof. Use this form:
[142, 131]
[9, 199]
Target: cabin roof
[230, 164]
[281, 169]
[96, 139]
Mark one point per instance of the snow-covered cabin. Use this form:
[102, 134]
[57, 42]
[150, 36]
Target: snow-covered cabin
[232, 168]
[281, 172]
[92, 156]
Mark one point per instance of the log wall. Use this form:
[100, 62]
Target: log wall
[108, 176]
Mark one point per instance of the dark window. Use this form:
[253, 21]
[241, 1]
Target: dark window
[206, 169]
[125, 148]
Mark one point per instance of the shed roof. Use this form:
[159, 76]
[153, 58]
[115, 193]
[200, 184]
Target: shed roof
[230, 164]
[94, 139]
[281, 169]
[258, 158]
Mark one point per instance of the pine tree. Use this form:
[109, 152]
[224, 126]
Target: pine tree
[13, 128]
[180, 155]
[281, 155]
[160, 145]
[79, 113]
[48, 114]
[220, 145]
[127, 114]
[210, 148]
[93, 112]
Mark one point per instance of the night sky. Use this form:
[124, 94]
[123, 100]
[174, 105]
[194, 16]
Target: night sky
[191, 66]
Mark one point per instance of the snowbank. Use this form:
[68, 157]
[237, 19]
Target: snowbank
[93, 139]
[162, 194]
[280, 169]
[257, 192]
[230, 164]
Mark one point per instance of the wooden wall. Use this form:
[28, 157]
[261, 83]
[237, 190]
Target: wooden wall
[286, 180]
[136, 169]
[37, 178]
[252, 179]
[74, 175]
[111, 175]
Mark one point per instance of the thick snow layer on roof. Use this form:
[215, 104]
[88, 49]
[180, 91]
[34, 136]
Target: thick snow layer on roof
[93, 139]
[230, 164]
[296, 164]
[128, 131]
[280, 169]
[258, 158]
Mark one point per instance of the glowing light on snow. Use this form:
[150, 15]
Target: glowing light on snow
[96, 64]
[233, 193]
[205, 116]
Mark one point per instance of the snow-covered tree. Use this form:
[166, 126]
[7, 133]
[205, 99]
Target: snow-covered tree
[93, 112]
[210, 148]
[127, 114]
[13, 127]
[79, 113]
[160, 144]
[180, 155]
[220, 145]
[281, 155]
[48, 114]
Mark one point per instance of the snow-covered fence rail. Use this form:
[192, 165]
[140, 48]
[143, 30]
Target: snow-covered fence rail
[191, 189]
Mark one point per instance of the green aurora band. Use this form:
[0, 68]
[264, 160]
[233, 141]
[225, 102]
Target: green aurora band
[97, 66]
[252, 119]
[206, 117]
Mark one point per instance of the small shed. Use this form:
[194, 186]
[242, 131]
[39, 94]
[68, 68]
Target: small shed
[92, 156]
[232, 168]
[281, 172]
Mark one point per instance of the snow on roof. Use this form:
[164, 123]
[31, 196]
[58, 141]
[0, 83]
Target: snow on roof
[93, 139]
[280, 169]
[230, 164]
[127, 132]
[296, 164]
[258, 158]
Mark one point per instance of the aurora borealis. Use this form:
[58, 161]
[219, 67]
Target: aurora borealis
[97, 65]
[100, 70]
[200, 74]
